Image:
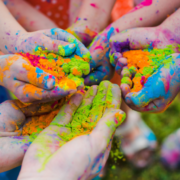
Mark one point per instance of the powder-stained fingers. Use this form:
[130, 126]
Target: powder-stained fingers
[99, 102]
[28, 93]
[102, 133]
[51, 138]
[99, 74]
[11, 117]
[63, 35]
[125, 89]
[33, 75]
[121, 63]
[113, 101]
[64, 116]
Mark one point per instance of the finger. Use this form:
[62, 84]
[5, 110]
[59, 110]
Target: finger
[62, 35]
[11, 118]
[84, 110]
[100, 101]
[67, 50]
[99, 74]
[125, 88]
[33, 75]
[49, 140]
[38, 109]
[65, 114]
[113, 97]
[125, 72]
[121, 63]
[138, 38]
[28, 93]
[114, 58]
[105, 128]
[127, 80]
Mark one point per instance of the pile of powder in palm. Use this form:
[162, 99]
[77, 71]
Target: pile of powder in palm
[87, 116]
[143, 63]
[68, 71]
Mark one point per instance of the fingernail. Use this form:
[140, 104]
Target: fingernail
[73, 91]
[50, 82]
[119, 118]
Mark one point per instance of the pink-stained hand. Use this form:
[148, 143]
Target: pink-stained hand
[51, 157]
[28, 83]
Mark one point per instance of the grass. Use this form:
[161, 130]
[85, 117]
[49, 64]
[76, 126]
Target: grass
[162, 124]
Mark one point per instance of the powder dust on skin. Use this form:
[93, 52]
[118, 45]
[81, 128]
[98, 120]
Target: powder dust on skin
[144, 63]
[68, 71]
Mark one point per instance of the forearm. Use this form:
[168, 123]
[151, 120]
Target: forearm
[95, 14]
[29, 18]
[9, 29]
[146, 14]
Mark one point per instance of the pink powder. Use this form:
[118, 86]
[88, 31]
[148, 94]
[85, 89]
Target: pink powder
[144, 3]
[94, 5]
[99, 47]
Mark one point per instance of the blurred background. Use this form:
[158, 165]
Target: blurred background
[162, 124]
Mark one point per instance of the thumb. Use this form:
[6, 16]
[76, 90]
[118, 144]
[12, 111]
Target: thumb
[138, 38]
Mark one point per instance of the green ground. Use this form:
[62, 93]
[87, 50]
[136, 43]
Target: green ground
[162, 124]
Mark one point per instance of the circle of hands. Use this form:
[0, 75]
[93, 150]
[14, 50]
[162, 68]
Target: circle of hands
[49, 156]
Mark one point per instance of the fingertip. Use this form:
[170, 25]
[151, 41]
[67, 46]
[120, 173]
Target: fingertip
[49, 82]
[119, 118]
[125, 89]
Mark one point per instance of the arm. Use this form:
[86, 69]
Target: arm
[142, 16]
[30, 19]
[92, 18]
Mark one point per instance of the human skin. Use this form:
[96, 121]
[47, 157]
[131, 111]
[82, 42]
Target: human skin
[81, 158]
[159, 37]
[150, 13]
[13, 117]
[29, 84]
[14, 38]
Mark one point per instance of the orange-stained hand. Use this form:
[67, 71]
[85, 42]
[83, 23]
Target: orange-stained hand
[28, 83]
[14, 115]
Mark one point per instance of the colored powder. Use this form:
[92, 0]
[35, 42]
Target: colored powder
[143, 63]
[87, 116]
[68, 71]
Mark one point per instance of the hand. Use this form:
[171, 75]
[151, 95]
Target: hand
[52, 157]
[81, 31]
[29, 84]
[13, 118]
[158, 91]
[101, 68]
[56, 40]
[139, 38]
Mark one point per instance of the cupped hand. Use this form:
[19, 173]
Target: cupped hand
[28, 83]
[158, 91]
[51, 156]
[139, 38]
[56, 40]
[14, 115]
[101, 69]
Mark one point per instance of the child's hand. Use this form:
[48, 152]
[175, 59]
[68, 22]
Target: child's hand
[13, 117]
[139, 38]
[101, 68]
[86, 153]
[158, 91]
[50, 39]
[28, 83]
